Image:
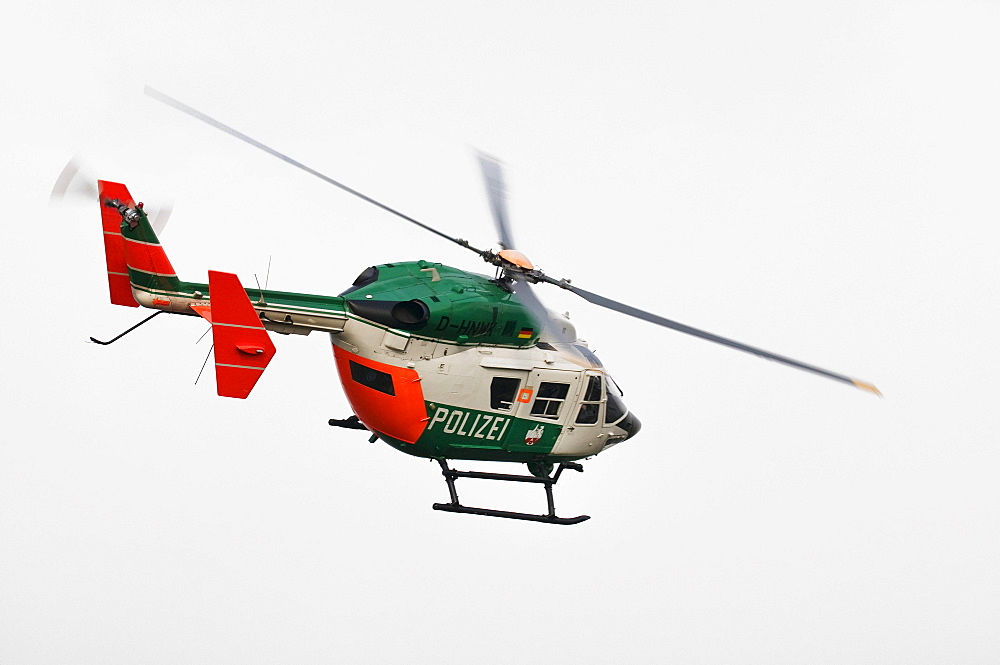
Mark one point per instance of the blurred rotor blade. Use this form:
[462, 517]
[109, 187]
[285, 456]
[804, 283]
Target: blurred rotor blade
[78, 182]
[688, 330]
[74, 182]
[194, 113]
[160, 218]
[527, 297]
[497, 193]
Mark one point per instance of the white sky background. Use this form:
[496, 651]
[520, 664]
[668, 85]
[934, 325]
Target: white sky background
[819, 179]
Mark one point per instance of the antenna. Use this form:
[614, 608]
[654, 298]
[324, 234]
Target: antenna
[260, 301]
[204, 363]
[267, 278]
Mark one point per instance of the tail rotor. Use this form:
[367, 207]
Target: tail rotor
[77, 182]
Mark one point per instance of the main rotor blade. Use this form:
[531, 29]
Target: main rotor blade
[688, 330]
[497, 193]
[528, 298]
[194, 113]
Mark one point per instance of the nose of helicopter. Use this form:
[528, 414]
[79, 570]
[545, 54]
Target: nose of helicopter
[631, 425]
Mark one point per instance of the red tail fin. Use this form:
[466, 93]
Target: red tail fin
[242, 346]
[114, 244]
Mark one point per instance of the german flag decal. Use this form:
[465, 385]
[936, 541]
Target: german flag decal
[526, 333]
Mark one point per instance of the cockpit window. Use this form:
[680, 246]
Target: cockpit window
[590, 409]
[502, 391]
[615, 410]
[550, 399]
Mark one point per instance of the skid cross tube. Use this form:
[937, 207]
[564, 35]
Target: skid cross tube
[450, 475]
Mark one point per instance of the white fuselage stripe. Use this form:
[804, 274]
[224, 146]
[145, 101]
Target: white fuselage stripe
[150, 272]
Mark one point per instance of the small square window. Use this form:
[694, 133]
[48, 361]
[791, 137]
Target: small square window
[550, 399]
[502, 391]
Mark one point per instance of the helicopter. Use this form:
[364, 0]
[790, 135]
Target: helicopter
[435, 361]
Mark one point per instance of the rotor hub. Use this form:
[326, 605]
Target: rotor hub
[516, 258]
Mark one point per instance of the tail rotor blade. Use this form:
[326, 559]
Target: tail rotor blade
[74, 182]
[161, 217]
[78, 182]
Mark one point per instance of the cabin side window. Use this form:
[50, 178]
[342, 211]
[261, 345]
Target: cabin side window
[373, 378]
[550, 399]
[502, 391]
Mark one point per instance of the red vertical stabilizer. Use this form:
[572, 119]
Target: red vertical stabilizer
[114, 244]
[242, 346]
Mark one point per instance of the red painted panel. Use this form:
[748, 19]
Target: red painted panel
[230, 303]
[236, 328]
[235, 381]
[114, 252]
[114, 249]
[121, 291]
[148, 258]
[402, 416]
[204, 311]
[113, 190]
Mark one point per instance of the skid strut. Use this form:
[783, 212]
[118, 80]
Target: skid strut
[118, 337]
[450, 475]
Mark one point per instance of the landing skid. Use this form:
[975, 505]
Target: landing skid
[450, 475]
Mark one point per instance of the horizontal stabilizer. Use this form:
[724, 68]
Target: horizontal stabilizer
[242, 346]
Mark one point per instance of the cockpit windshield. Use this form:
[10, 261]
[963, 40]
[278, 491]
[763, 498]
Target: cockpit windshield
[588, 354]
[577, 354]
[615, 409]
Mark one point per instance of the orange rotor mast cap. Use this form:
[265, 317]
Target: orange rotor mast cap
[515, 257]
